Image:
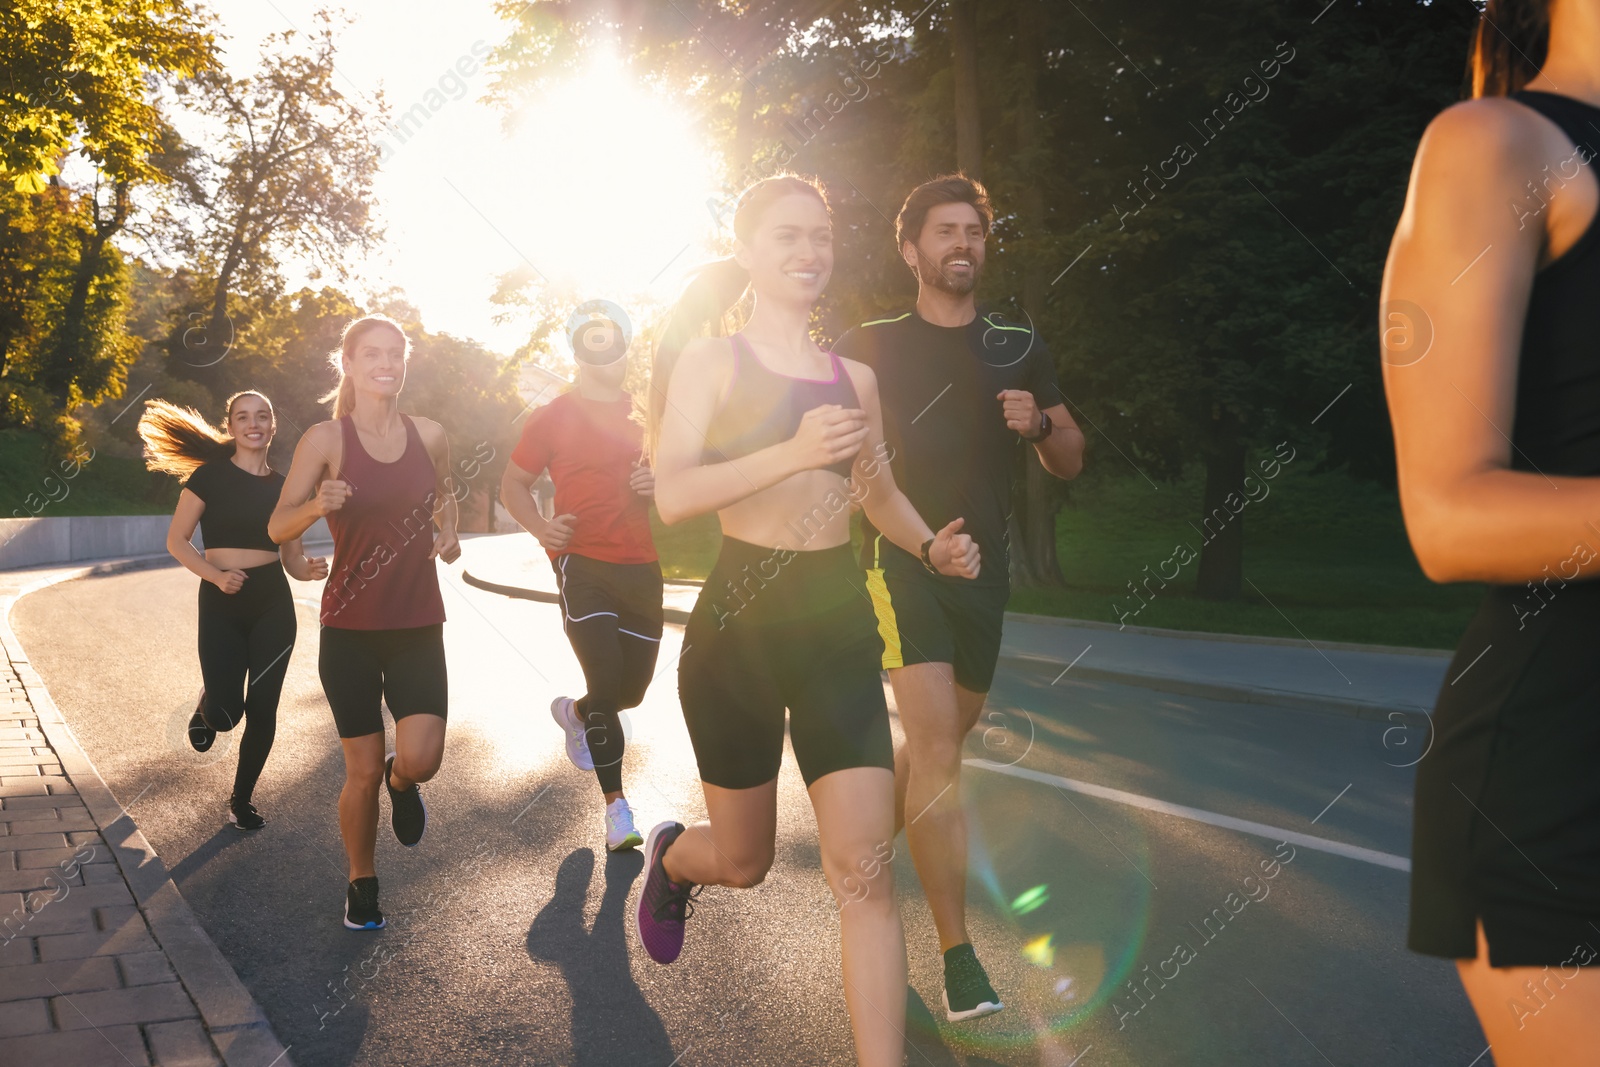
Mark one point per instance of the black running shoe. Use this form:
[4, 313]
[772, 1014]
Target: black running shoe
[244, 815]
[361, 905]
[201, 735]
[967, 992]
[407, 813]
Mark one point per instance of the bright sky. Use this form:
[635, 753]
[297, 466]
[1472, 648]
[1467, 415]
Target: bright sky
[600, 188]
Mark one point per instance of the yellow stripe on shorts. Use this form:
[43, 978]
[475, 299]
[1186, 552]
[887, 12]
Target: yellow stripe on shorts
[887, 627]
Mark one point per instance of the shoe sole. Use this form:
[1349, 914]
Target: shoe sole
[988, 1007]
[237, 825]
[566, 733]
[633, 840]
[379, 925]
[387, 764]
[649, 863]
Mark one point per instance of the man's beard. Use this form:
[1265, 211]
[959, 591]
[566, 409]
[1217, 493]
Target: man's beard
[934, 275]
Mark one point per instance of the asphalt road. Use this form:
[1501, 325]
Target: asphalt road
[1114, 829]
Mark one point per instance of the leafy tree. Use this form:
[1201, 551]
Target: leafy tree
[292, 178]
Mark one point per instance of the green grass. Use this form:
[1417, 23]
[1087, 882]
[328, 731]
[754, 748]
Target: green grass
[1328, 554]
[33, 481]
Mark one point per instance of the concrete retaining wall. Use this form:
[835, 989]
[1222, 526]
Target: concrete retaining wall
[66, 539]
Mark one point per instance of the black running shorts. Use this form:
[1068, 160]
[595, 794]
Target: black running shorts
[776, 629]
[931, 618]
[363, 669]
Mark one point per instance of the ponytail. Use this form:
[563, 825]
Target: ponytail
[343, 395]
[179, 440]
[1509, 47]
[715, 290]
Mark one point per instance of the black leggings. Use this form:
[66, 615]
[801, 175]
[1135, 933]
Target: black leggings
[248, 633]
[612, 615]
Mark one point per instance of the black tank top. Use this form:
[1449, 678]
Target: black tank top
[1557, 428]
[763, 407]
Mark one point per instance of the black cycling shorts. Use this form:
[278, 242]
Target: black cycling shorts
[776, 629]
[932, 618]
[363, 669]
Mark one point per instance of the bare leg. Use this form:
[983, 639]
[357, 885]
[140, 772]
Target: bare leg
[936, 715]
[854, 820]
[1535, 1016]
[358, 801]
[734, 847]
[418, 749]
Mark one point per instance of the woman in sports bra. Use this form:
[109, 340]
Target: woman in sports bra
[247, 622]
[1492, 369]
[764, 428]
[382, 480]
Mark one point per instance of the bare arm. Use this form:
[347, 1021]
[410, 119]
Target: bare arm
[516, 493]
[1062, 452]
[1461, 266]
[300, 566]
[446, 543]
[952, 552]
[180, 541]
[685, 488]
[309, 491]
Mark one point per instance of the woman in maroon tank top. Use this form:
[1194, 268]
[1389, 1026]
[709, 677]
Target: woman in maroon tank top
[1493, 380]
[381, 479]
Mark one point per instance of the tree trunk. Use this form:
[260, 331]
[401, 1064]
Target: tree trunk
[964, 59]
[1034, 562]
[73, 335]
[1221, 571]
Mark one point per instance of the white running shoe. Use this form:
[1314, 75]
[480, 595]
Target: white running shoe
[620, 833]
[564, 711]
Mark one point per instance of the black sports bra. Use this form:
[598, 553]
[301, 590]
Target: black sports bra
[763, 407]
[1557, 422]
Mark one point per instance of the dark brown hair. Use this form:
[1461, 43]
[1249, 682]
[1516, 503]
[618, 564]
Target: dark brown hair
[946, 189]
[1509, 47]
[178, 440]
[716, 288]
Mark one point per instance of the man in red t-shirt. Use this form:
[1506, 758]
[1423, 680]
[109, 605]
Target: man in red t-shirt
[600, 546]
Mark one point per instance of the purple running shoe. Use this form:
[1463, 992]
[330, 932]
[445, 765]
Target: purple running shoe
[664, 905]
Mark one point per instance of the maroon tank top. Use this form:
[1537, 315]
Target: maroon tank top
[381, 577]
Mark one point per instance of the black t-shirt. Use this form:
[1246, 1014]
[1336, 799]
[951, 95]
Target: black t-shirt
[952, 453]
[238, 504]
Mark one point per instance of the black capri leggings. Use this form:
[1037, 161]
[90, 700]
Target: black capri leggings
[612, 616]
[247, 634]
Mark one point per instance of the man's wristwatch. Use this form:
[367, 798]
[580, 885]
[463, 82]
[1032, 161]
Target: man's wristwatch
[1045, 426]
[927, 560]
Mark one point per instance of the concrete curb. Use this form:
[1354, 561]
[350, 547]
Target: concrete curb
[1397, 714]
[236, 1023]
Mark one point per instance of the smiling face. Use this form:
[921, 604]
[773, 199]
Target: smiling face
[948, 254]
[251, 423]
[790, 252]
[377, 361]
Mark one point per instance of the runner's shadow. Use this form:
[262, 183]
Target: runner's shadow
[922, 1034]
[226, 835]
[611, 1021]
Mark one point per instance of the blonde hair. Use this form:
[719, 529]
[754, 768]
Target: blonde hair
[343, 395]
[179, 440]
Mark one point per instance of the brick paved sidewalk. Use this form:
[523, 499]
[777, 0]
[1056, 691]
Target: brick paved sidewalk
[81, 979]
[101, 960]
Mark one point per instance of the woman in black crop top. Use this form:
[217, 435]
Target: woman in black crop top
[247, 621]
[764, 428]
[1491, 330]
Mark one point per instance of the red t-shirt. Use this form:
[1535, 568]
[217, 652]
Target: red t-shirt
[590, 448]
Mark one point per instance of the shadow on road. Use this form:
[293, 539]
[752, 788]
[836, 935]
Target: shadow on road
[190, 865]
[611, 1021]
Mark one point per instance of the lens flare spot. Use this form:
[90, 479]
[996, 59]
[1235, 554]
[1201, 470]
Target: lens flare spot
[1039, 951]
[1032, 900]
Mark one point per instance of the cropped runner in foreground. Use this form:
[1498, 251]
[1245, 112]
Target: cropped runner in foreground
[1491, 362]
[764, 428]
[382, 480]
[600, 546]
